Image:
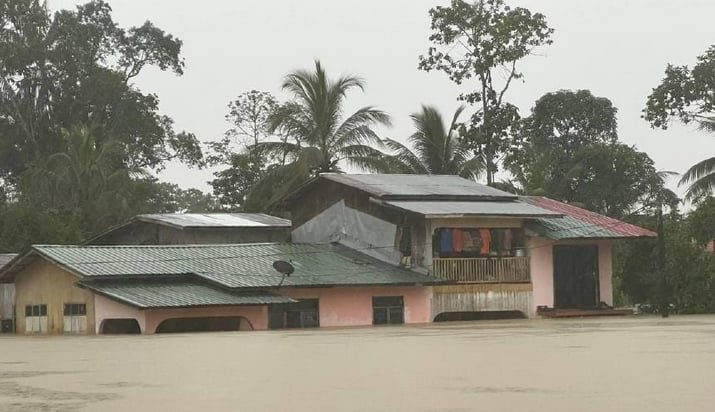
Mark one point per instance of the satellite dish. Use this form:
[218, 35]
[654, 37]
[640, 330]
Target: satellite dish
[283, 267]
[286, 268]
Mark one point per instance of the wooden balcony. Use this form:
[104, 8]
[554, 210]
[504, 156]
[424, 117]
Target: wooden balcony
[483, 270]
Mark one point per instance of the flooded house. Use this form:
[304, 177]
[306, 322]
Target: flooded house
[502, 255]
[185, 288]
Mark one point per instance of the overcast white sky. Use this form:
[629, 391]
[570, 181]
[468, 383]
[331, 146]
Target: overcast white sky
[616, 48]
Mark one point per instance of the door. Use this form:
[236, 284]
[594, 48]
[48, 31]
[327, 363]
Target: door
[576, 276]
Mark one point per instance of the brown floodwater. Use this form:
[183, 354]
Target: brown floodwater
[633, 364]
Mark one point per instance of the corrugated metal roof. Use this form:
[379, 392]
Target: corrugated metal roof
[214, 220]
[177, 294]
[399, 186]
[579, 223]
[459, 208]
[235, 266]
[5, 258]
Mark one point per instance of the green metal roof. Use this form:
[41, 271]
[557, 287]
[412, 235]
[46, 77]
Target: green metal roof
[235, 266]
[174, 294]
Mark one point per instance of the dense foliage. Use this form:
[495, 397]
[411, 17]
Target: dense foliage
[568, 149]
[688, 95]
[78, 138]
[484, 41]
[679, 273]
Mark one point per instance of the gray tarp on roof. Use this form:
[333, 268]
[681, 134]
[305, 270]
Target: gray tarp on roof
[214, 220]
[417, 186]
[177, 294]
[235, 266]
[447, 208]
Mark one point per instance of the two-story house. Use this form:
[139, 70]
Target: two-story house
[502, 254]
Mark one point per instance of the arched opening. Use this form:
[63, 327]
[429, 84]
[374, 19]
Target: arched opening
[204, 324]
[488, 315]
[120, 327]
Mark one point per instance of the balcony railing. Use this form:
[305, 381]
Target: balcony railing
[483, 270]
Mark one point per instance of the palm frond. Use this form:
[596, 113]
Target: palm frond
[275, 148]
[698, 170]
[357, 128]
[365, 157]
[406, 160]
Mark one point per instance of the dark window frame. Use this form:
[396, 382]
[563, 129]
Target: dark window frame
[303, 314]
[36, 310]
[388, 310]
[75, 309]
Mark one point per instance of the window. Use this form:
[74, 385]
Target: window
[75, 309]
[388, 310]
[477, 242]
[35, 318]
[302, 314]
[75, 320]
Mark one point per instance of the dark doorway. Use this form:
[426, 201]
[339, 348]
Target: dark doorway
[208, 324]
[576, 276]
[487, 315]
[120, 327]
[303, 314]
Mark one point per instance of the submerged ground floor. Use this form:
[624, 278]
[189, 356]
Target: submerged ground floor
[311, 307]
[632, 364]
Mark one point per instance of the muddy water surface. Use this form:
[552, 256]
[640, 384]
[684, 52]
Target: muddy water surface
[635, 364]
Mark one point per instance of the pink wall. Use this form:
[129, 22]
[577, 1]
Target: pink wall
[352, 306]
[605, 269]
[542, 268]
[109, 309]
[256, 315]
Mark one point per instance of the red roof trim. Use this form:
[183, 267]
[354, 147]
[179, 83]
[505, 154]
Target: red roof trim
[605, 222]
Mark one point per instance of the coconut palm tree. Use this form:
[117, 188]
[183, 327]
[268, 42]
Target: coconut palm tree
[322, 139]
[437, 148]
[700, 178]
[85, 177]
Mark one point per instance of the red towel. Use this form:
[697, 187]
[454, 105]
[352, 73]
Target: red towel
[486, 241]
[457, 240]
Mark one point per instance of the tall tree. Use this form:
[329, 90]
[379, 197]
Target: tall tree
[249, 116]
[485, 40]
[76, 67]
[438, 149]
[688, 95]
[323, 137]
[568, 149]
[561, 123]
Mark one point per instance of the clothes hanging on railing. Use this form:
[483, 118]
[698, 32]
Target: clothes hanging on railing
[457, 240]
[486, 241]
[446, 240]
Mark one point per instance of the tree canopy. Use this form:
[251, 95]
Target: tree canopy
[75, 67]
[484, 41]
[568, 149]
[688, 95]
[79, 139]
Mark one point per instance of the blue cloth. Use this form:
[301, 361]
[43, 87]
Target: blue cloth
[445, 241]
